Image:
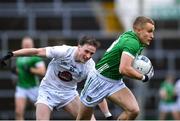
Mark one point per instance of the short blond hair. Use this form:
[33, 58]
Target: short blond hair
[141, 21]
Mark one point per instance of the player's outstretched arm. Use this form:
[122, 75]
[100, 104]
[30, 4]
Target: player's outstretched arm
[23, 52]
[30, 52]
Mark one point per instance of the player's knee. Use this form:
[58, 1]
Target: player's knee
[133, 112]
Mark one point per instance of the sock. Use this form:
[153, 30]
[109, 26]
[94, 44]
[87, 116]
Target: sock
[107, 114]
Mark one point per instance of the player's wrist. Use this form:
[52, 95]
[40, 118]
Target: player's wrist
[8, 56]
[145, 78]
[4, 58]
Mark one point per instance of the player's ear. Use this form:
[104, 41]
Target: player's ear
[138, 30]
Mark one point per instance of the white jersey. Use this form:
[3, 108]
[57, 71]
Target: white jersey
[63, 70]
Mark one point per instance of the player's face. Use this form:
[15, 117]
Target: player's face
[85, 52]
[146, 34]
[27, 43]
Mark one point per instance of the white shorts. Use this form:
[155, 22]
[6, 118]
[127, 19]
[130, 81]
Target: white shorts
[30, 93]
[168, 107]
[98, 87]
[55, 98]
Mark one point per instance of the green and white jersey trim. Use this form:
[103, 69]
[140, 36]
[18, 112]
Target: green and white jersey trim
[128, 54]
[104, 67]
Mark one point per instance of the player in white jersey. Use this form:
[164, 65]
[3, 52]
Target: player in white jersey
[69, 65]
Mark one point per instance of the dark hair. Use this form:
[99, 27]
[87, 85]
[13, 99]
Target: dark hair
[88, 40]
[141, 21]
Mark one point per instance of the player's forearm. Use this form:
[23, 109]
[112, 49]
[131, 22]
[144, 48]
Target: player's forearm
[126, 68]
[25, 52]
[132, 73]
[30, 52]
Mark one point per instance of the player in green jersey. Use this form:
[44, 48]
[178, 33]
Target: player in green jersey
[167, 104]
[28, 70]
[106, 80]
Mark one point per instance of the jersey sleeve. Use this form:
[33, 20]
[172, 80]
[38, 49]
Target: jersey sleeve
[38, 61]
[131, 46]
[56, 51]
[40, 64]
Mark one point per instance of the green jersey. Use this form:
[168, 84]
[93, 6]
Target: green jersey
[169, 88]
[128, 42]
[27, 79]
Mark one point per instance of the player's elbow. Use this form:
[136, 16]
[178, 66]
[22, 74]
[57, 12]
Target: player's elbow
[123, 70]
[40, 52]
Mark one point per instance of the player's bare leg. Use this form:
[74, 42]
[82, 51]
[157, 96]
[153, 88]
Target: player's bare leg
[73, 108]
[162, 115]
[20, 104]
[85, 113]
[125, 99]
[43, 112]
[175, 115]
[105, 110]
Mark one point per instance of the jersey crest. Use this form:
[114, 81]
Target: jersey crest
[65, 76]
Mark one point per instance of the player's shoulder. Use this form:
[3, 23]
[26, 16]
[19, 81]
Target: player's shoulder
[67, 47]
[89, 65]
[62, 48]
[90, 62]
[129, 37]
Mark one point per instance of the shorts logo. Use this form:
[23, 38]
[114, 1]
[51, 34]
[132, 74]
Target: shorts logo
[65, 76]
[89, 99]
[48, 98]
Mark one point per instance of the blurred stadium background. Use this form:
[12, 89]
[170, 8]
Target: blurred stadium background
[56, 22]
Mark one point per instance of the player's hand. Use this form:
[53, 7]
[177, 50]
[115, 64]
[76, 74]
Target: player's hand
[4, 58]
[149, 75]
